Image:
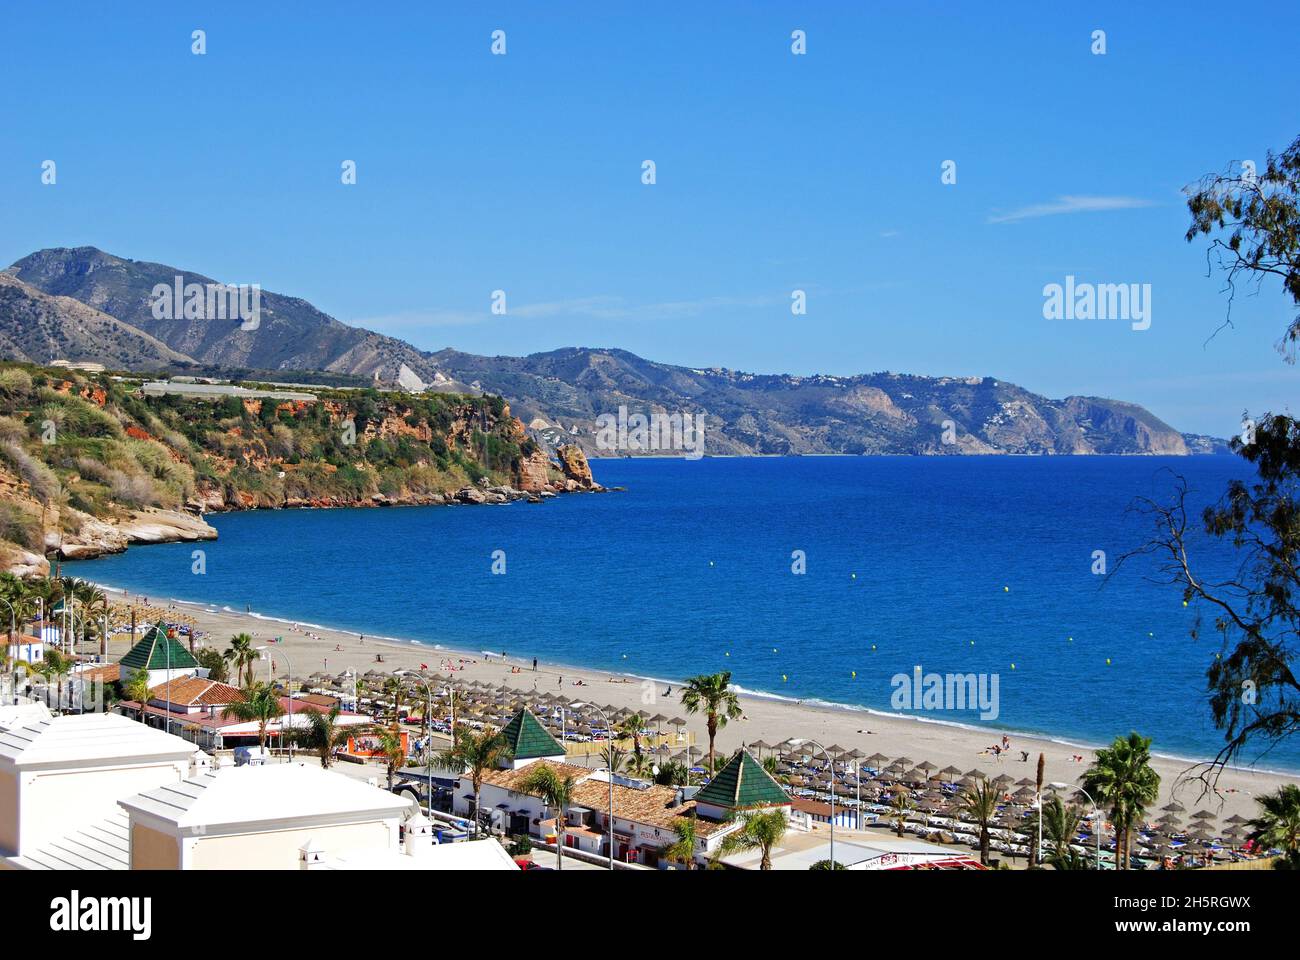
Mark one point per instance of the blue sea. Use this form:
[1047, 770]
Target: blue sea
[956, 564]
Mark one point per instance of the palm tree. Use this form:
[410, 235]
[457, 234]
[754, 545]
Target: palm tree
[759, 830]
[137, 688]
[1278, 824]
[682, 850]
[555, 790]
[54, 667]
[630, 728]
[393, 750]
[1060, 825]
[323, 733]
[1122, 778]
[900, 802]
[395, 690]
[242, 654]
[260, 704]
[476, 753]
[712, 695]
[672, 773]
[640, 765]
[980, 803]
[612, 757]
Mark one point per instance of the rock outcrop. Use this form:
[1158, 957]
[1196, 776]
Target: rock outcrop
[533, 472]
[97, 538]
[576, 469]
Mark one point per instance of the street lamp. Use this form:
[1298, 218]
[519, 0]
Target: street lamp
[451, 697]
[1096, 816]
[13, 635]
[288, 689]
[831, 763]
[609, 733]
[428, 709]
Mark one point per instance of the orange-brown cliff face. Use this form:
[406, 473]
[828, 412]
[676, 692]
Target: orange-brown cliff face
[533, 472]
[577, 472]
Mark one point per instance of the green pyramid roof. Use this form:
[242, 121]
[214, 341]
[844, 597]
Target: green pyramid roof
[742, 783]
[157, 651]
[528, 739]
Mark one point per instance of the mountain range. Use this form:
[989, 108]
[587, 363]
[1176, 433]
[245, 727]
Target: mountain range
[81, 304]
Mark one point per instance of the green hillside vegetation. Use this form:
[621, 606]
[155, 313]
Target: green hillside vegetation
[100, 446]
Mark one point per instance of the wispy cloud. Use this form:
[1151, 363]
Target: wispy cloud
[608, 308]
[1070, 204]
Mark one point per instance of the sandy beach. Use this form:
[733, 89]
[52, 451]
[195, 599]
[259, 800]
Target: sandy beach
[312, 649]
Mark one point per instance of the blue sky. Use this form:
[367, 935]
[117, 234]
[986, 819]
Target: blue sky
[775, 172]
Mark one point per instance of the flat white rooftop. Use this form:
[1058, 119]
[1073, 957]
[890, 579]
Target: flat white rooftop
[263, 794]
[88, 739]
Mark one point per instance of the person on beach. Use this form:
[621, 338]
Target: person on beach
[534, 664]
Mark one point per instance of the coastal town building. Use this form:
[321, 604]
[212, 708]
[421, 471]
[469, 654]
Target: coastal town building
[644, 814]
[24, 648]
[800, 851]
[288, 816]
[61, 778]
[194, 708]
[162, 655]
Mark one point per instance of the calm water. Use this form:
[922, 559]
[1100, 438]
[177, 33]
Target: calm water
[689, 570]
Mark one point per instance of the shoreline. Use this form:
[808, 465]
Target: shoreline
[311, 647]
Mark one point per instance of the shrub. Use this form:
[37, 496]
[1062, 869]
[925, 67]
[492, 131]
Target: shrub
[20, 527]
[15, 382]
[44, 484]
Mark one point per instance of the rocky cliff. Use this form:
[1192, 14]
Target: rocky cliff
[90, 464]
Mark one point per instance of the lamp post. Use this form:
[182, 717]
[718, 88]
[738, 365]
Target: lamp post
[451, 697]
[428, 708]
[831, 763]
[1038, 802]
[13, 635]
[1096, 816]
[288, 689]
[609, 733]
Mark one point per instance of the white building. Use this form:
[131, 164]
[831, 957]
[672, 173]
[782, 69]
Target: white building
[61, 778]
[260, 818]
[25, 648]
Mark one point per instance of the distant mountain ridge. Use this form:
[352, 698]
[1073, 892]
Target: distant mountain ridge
[562, 393]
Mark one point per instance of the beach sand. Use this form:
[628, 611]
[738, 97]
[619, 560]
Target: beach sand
[767, 719]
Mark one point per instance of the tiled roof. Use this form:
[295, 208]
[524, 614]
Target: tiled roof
[649, 806]
[528, 739]
[109, 673]
[197, 691]
[19, 640]
[511, 779]
[157, 651]
[742, 783]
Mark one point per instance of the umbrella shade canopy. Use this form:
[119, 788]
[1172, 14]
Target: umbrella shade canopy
[1202, 815]
[927, 766]
[950, 772]
[877, 758]
[1173, 807]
